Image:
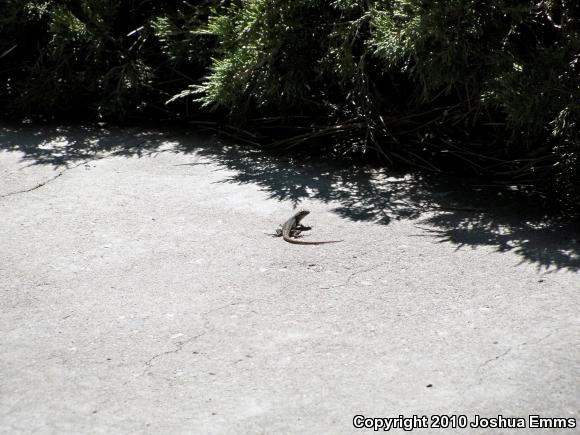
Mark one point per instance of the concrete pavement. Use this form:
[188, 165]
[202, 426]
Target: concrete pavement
[140, 294]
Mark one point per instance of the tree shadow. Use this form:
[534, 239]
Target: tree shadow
[450, 209]
[66, 145]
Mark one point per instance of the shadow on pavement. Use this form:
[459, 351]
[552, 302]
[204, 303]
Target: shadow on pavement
[453, 211]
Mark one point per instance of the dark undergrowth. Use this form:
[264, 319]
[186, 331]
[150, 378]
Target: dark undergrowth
[487, 89]
[463, 212]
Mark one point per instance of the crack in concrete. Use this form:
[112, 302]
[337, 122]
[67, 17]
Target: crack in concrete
[232, 304]
[503, 354]
[38, 186]
[490, 360]
[182, 344]
[495, 358]
[545, 337]
[357, 273]
[179, 348]
[44, 183]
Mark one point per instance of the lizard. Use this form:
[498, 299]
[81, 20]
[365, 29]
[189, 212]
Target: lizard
[293, 227]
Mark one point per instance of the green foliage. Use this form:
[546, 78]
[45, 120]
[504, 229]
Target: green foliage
[105, 58]
[268, 55]
[182, 37]
[495, 62]
[566, 140]
[82, 62]
[484, 86]
[497, 80]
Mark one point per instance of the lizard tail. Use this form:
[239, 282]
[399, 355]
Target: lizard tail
[299, 242]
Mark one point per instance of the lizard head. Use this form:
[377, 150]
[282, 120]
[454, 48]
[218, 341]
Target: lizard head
[302, 213]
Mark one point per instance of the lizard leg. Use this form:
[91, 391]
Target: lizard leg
[295, 233]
